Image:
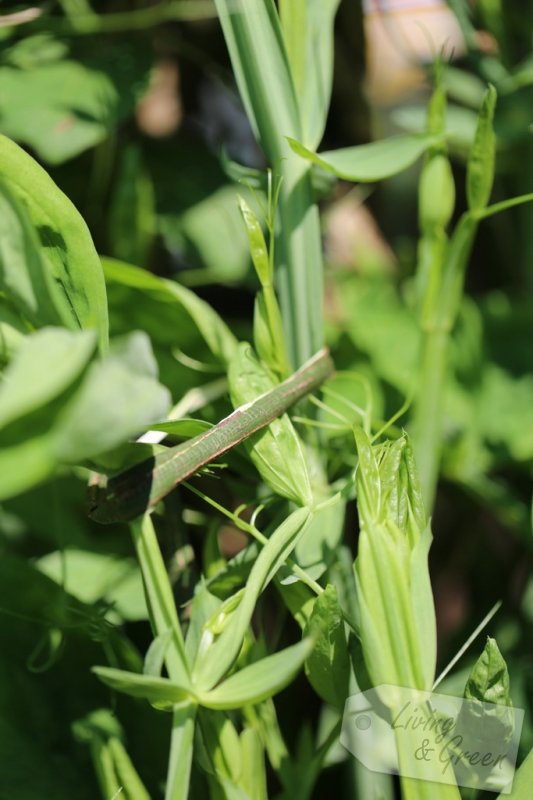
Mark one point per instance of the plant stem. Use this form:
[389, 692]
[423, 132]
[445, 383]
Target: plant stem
[181, 750]
[163, 617]
[427, 411]
[260, 64]
[159, 597]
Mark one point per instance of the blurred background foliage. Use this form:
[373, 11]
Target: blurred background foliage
[132, 109]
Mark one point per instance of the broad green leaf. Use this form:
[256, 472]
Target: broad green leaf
[25, 465]
[216, 660]
[210, 238]
[67, 248]
[383, 328]
[26, 593]
[158, 691]
[78, 102]
[46, 364]
[118, 398]
[92, 577]
[488, 682]
[259, 681]
[11, 338]
[24, 277]
[489, 679]
[63, 418]
[328, 666]
[460, 125]
[308, 33]
[276, 451]
[170, 300]
[367, 163]
[505, 411]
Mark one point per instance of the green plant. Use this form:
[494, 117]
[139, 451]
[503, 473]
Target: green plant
[103, 360]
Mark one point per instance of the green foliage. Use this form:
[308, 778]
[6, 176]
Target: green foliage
[210, 652]
[67, 258]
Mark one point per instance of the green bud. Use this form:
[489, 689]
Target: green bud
[436, 193]
[397, 619]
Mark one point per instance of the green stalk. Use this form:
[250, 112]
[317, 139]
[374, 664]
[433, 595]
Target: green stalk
[181, 750]
[261, 67]
[131, 493]
[427, 423]
[163, 617]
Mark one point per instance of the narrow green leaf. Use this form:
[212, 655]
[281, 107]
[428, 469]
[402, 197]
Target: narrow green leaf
[269, 340]
[372, 162]
[480, 166]
[213, 663]
[423, 606]
[257, 243]
[260, 65]
[127, 774]
[253, 778]
[368, 484]
[67, 248]
[158, 691]
[259, 681]
[496, 208]
[155, 655]
[308, 32]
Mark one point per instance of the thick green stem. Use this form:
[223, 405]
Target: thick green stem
[427, 412]
[260, 64]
